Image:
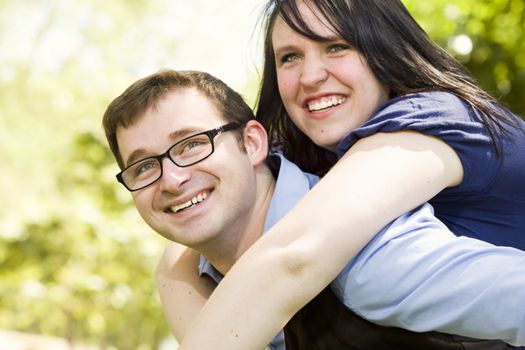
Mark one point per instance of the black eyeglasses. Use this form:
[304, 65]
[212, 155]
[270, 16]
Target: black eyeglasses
[186, 152]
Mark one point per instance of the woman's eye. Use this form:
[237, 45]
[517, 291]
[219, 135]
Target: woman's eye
[289, 58]
[338, 47]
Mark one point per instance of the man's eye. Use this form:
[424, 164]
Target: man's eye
[145, 167]
[191, 145]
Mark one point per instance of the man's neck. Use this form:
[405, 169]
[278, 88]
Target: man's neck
[247, 231]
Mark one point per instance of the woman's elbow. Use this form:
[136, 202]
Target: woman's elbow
[301, 262]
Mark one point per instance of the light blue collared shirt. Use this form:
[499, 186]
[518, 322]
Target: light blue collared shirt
[291, 185]
[417, 275]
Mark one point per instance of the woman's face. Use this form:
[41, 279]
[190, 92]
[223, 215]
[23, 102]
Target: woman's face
[326, 87]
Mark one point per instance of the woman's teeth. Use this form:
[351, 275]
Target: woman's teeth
[324, 103]
[197, 199]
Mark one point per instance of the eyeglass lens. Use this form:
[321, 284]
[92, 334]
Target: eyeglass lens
[184, 153]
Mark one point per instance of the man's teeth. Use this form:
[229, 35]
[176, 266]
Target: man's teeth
[325, 103]
[197, 199]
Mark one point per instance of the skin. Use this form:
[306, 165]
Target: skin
[216, 230]
[248, 307]
[182, 291]
[311, 73]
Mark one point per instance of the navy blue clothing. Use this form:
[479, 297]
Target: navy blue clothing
[489, 204]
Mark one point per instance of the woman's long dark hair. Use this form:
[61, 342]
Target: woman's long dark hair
[398, 52]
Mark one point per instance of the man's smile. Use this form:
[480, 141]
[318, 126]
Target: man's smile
[190, 203]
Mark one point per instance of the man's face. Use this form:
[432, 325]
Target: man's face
[216, 194]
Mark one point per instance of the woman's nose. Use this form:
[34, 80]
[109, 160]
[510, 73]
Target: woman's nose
[313, 71]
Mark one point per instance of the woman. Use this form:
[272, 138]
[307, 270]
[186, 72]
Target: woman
[360, 79]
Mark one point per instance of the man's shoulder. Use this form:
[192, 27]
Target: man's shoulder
[289, 171]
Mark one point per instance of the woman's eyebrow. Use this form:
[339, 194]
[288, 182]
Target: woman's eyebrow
[285, 48]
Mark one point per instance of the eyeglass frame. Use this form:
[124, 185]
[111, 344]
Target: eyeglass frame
[212, 133]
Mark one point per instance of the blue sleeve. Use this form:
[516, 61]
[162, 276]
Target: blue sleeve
[278, 342]
[442, 115]
[417, 275]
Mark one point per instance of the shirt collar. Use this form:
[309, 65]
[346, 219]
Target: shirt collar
[291, 185]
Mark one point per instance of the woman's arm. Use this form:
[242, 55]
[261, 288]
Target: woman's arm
[380, 178]
[182, 291]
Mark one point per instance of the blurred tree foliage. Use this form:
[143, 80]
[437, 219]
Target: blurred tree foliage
[76, 261]
[487, 36]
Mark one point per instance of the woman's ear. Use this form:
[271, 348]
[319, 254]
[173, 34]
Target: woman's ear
[255, 141]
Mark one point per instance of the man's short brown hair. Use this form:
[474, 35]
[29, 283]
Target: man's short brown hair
[145, 93]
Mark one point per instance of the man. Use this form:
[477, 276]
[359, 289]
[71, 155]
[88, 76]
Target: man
[196, 164]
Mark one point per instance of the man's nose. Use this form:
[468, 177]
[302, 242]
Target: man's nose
[173, 176]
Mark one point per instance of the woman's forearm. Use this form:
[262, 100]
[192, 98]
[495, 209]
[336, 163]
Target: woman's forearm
[379, 179]
[182, 291]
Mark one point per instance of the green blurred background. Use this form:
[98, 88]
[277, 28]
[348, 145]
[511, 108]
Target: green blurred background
[76, 261]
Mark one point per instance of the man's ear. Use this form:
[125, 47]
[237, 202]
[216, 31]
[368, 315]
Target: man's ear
[256, 141]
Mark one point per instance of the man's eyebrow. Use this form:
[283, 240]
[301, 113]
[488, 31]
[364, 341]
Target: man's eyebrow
[175, 136]
[134, 156]
[182, 133]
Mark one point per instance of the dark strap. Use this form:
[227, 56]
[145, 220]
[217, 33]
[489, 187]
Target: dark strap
[327, 324]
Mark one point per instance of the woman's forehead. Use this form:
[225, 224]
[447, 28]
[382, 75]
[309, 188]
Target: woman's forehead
[307, 20]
